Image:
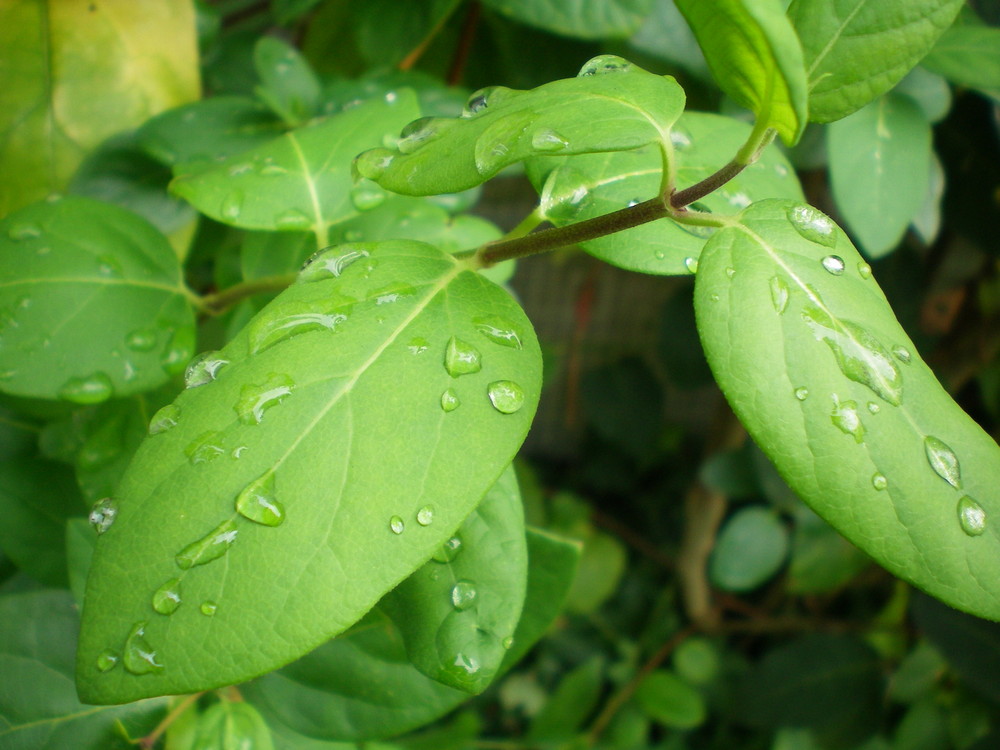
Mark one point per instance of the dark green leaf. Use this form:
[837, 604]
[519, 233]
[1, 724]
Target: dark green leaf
[697, 661]
[93, 303]
[923, 727]
[969, 56]
[624, 405]
[387, 31]
[585, 19]
[750, 549]
[570, 703]
[809, 354]
[917, 674]
[822, 560]
[288, 85]
[668, 700]
[232, 726]
[80, 542]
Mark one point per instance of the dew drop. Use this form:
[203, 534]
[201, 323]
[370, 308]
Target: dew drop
[167, 598]
[139, 657]
[801, 393]
[971, 516]
[548, 140]
[498, 330]
[879, 481]
[238, 451]
[478, 102]
[204, 448]
[293, 220]
[845, 417]
[450, 400]
[102, 514]
[373, 163]
[203, 369]
[256, 399]
[730, 272]
[109, 267]
[943, 460]
[864, 270]
[874, 408]
[396, 525]
[506, 396]
[232, 205]
[660, 255]
[604, 64]
[331, 261]
[141, 340]
[425, 516]
[107, 660]
[164, 419]
[19, 232]
[391, 293]
[691, 264]
[566, 205]
[208, 608]
[257, 502]
[467, 663]
[779, 294]
[267, 331]
[902, 354]
[463, 595]
[418, 345]
[813, 225]
[418, 133]
[237, 170]
[834, 264]
[367, 195]
[448, 551]
[90, 389]
[461, 358]
[210, 547]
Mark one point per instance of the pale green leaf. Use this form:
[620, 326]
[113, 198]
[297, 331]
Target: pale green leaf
[611, 105]
[754, 54]
[669, 700]
[287, 84]
[583, 187]
[880, 170]
[345, 407]
[457, 615]
[810, 356]
[232, 726]
[583, 19]
[969, 56]
[93, 303]
[749, 550]
[855, 51]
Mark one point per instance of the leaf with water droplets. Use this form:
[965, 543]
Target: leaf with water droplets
[454, 616]
[66, 325]
[615, 111]
[878, 448]
[349, 423]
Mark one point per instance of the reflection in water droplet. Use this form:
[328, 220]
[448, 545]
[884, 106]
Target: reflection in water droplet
[864, 270]
[879, 481]
[461, 358]
[164, 419]
[801, 393]
[506, 396]
[691, 264]
[210, 547]
[204, 448]
[208, 608]
[425, 516]
[971, 516]
[90, 389]
[902, 354]
[463, 595]
[107, 660]
[779, 294]
[167, 598]
[258, 503]
[448, 551]
[604, 64]
[267, 331]
[19, 232]
[103, 514]
[331, 261]
[232, 205]
[293, 220]
[873, 407]
[834, 264]
[943, 460]
[139, 657]
[396, 525]
[813, 225]
[548, 140]
[467, 663]
[450, 400]
[390, 293]
[141, 340]
[256, 399]
[845, 417]
[498, 330]
[203, 369]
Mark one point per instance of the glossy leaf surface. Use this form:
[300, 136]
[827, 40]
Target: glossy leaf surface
[457, 615]
[292, 467]
[752, 50]
[362, 685]
[582, 187]
[584, 19]
[93, 303]
[856, 51]
[810, 356]
[611, 105]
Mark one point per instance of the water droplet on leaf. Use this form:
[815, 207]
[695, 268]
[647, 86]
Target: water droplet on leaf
[19, 232]
[499, 331]
[548, 140]
[164, 419]
[879, 481]
[203, 369]
[874, 408]
[139, 657]
[141, 340]
[256, 399]
[463, 595]
[425, 516]
[210, 547]
[691, 264]
[373, 163]
[167, 598]
[943, 460]
[179, 350]
[845, 417]
[813, 225]
[680, 139]
[461, 358]
[971, 516]
[450, 400]
[103, 514]
[204, 448]
[293, 220]
[864, 270]
[507, 643]
[506, 396]
[604, 64]
[448, 551]
[396, 525]
[90, 389]
[107, 660]
[331, 262]
[258, 503]
[902, 354]
[109, 266]
[801, 393]
[266, 331]
[417, 133]
[730, 272]
[418, 345]
[232, 205]
[834, 264]
[367, 195]
[208, 608]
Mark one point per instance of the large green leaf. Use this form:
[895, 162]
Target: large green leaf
[362, 686]
[855, 51]
[93, 303]
[302, 180]
[880, 169]
[76, 73]
[39, 709]
[348, 404]
[582, 187]
[583, 19]
[457, 615]
[810, 356]
[611, 105]
[754, 54]
[969, 56]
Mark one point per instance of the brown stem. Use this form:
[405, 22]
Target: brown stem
[464, 48]
[219, 302]
[150, 740]
[417, 52]
[710, 184]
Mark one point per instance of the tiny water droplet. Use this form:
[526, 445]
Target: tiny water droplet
[232, 205]
[107, 660]
[548, 140]
[238, 451]
[450, 400]
[834, 264]
[167, 598]
[691, 264]
[90, 389]
[242, 168]
[331, 261]
[864, 270]
[19, 232]
[943, 461]
[258, 503]
[879, 481]
[256, 399]
[680, 139]
[212, 546]
[418, 345]
[498, 330]
[507, 643]
[801, 393]
[448, 551]
[141, 340]
[660, 255]
[463, 595]
[425, 516]
[779, 294]
[874, 408]
[971, 516]
[604, 64]
[391, 293]
[109, 266]
[164, 419]
[204, 448]
[781, 170]
[102, 514]
[396, 525]
[714, 297]
[813, 225]
[203, 369]
[845, 417]
[367, 195]
[902, 354]
[739, 200]
[461, 358]
[730, 272]
[293, 220]
[506, 396]
[139, 656]
[208, 608]
[478, 102]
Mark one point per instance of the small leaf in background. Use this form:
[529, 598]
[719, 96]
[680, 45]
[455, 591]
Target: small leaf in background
[879, 170]
[750, 549]
[232, 726]
[569, 705]
[754, 54]
[388, 32]
[287, 84]
[855, 53]
[923, 727]
[76, 73]
[668, 700]
[917, 673]
[697, 661]
[929, 90]
[93, 304]
[584, 19]
[968, 55]
[821, 559]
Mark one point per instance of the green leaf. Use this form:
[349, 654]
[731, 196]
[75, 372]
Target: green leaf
[347, 404]
[668, 700]
[821, 560]
[80, 541]
[583, 19]
[77, 73]
[39, 709]
[808, 352]
[302, 180]
[232, 726]
[857, 51]
[288, 85]
[754, 54]
[582, 187]
[457, 616]
[362, 686]
[93, 303]
[969, 56]
[570, 704]
[611, 105]
[387, 31]
[750, 549]
[879, 170]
